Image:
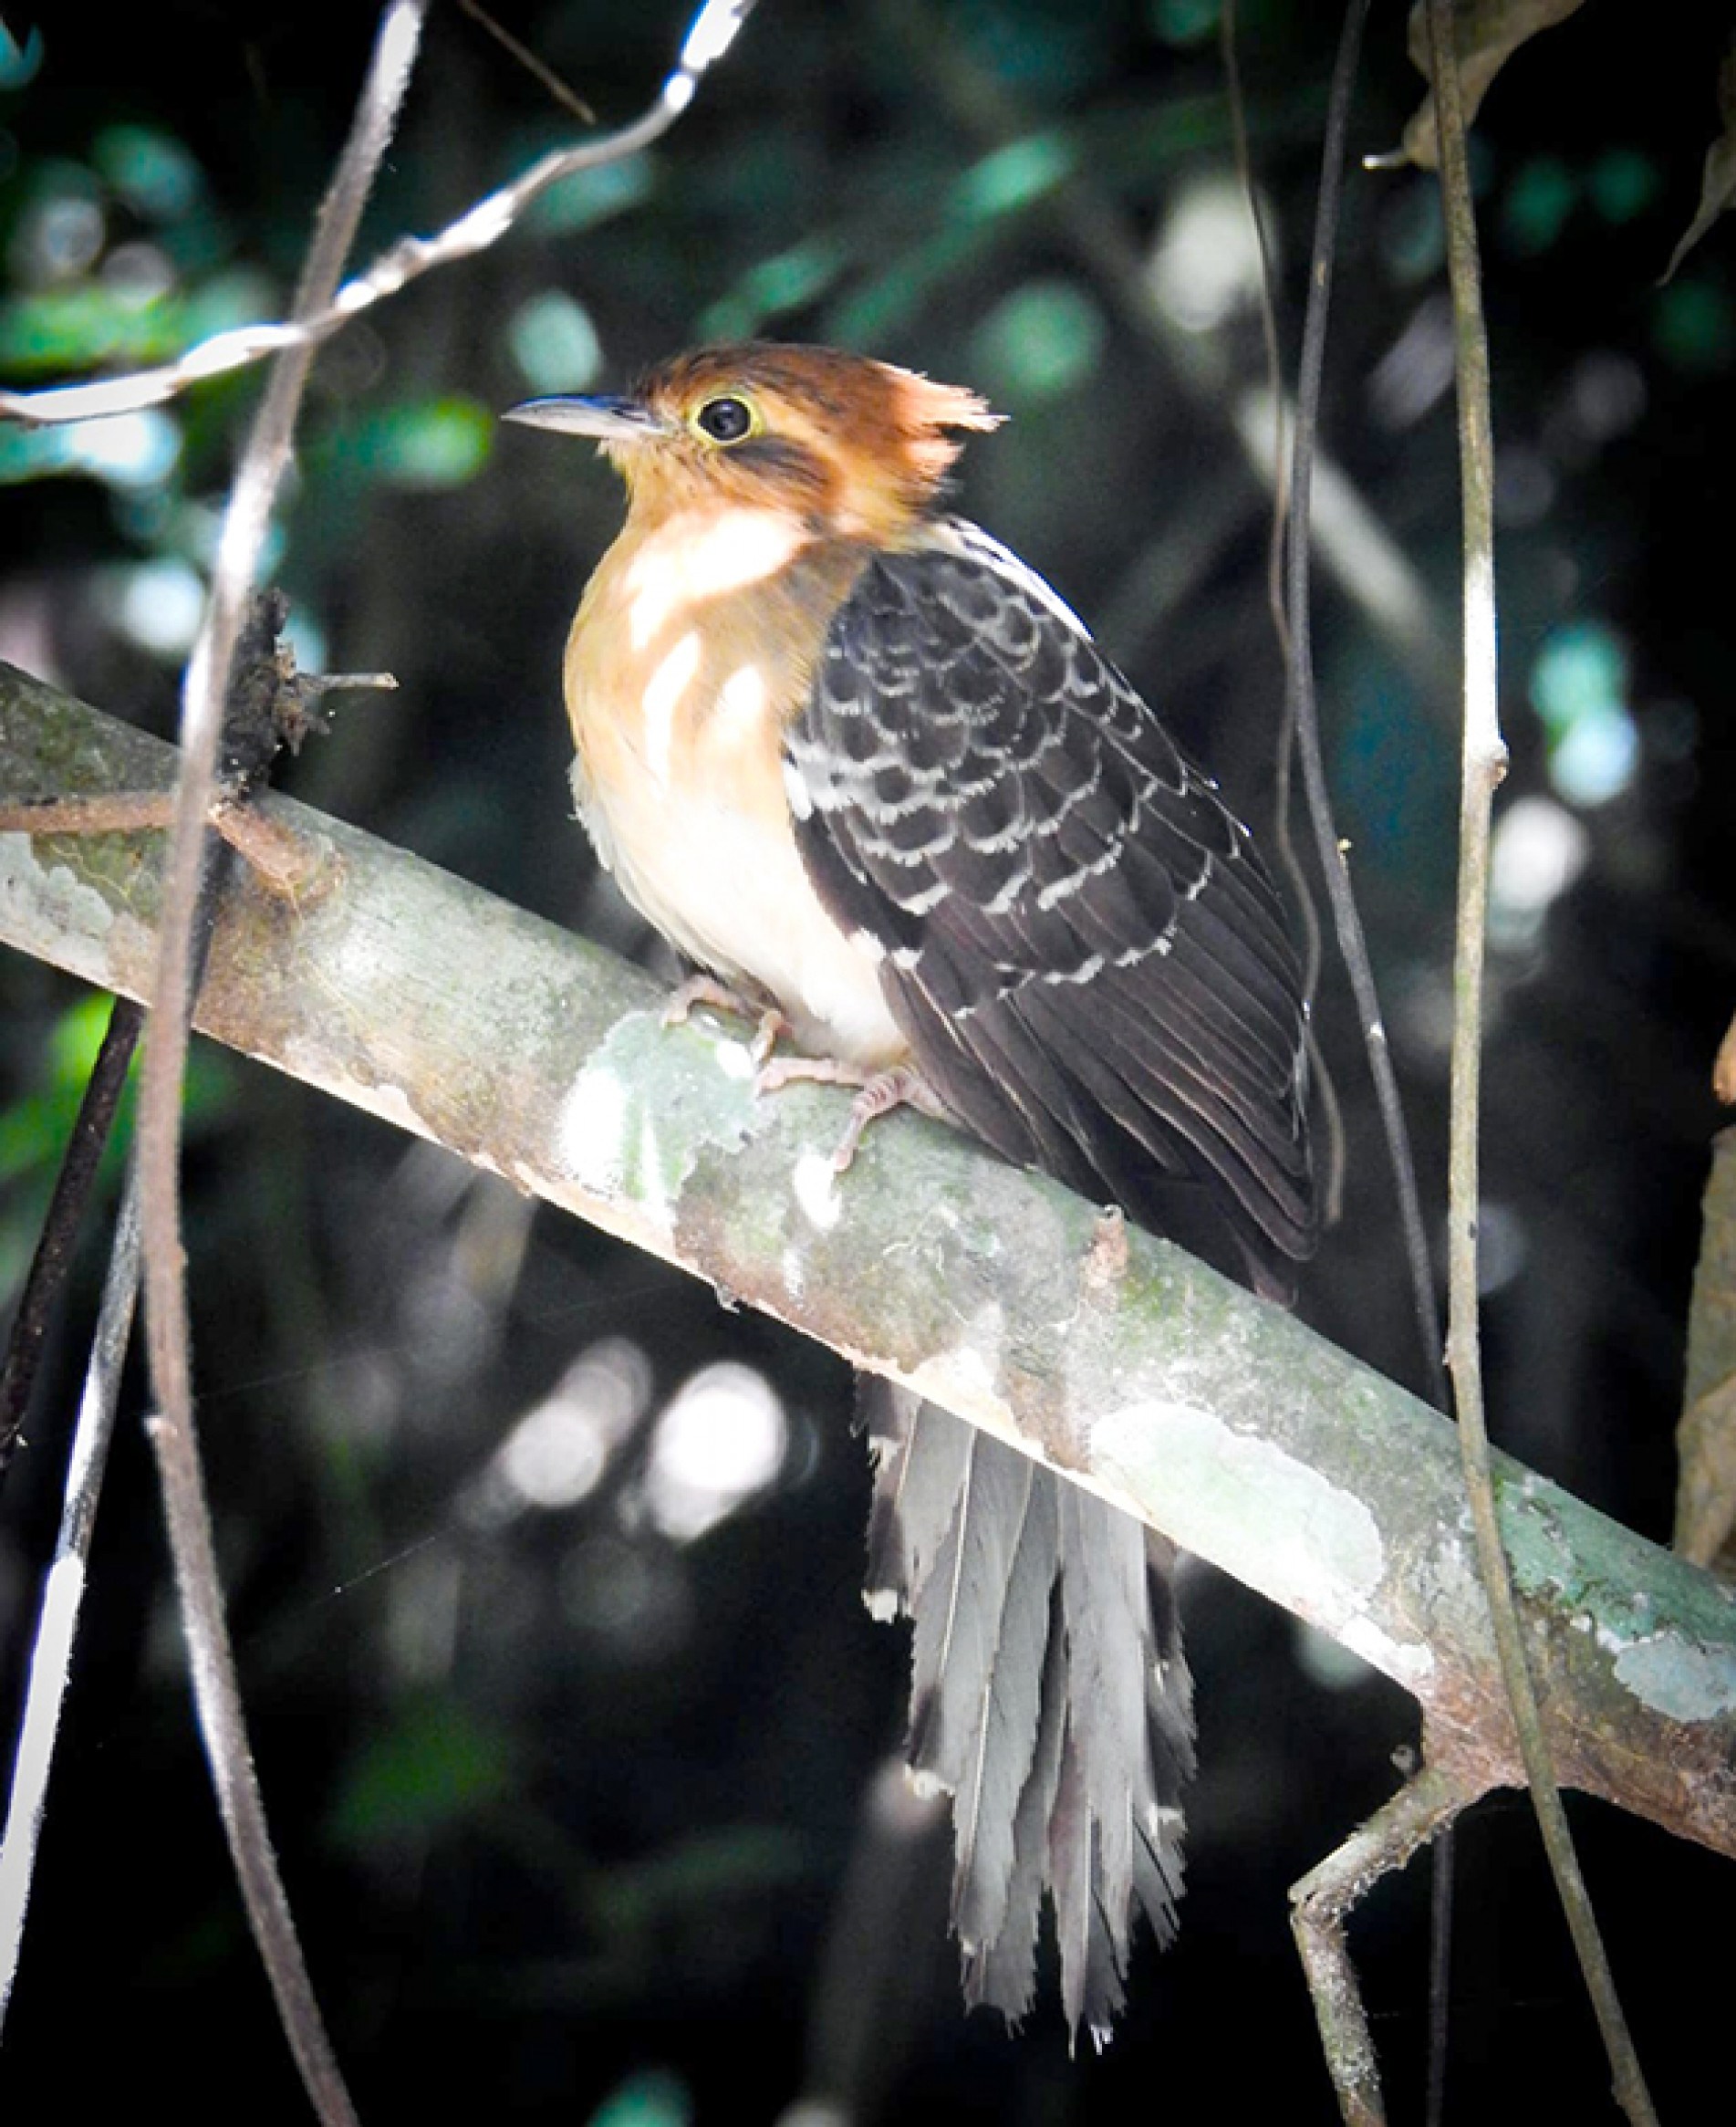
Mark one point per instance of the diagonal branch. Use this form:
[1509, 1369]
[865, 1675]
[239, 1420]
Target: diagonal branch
[1204, 1412]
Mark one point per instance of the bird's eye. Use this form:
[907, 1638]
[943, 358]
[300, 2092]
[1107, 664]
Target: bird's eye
[725, 420]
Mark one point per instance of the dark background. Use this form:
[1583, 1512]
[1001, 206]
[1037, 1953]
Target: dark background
[566, 1795]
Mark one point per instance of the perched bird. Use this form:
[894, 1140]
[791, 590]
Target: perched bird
[860, 764]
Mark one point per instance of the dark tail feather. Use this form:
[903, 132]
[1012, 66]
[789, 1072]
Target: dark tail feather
[1048, 1695]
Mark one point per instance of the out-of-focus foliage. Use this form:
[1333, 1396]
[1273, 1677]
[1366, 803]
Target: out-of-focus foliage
[544, 1566]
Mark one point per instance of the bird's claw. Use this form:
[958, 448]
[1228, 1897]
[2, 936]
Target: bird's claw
[769, 1023]
[771, 1030]
[876, 1093]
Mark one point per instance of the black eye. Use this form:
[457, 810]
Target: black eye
[725, 420]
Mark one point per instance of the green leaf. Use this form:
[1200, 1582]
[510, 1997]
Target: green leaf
[590, 196]
[554, 343]
[653, 2098]
[1623, 183]
[151, 170]
[1537, 204]
[1694, 325]
[1013, 176]
[1045, 340]
[19, 62]
[435, 1767]
[435, 443]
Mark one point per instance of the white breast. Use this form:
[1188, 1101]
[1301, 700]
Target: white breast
[733, 894]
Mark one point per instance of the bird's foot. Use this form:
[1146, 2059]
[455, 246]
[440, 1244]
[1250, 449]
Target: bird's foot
[878, 1092]
[769, 1023]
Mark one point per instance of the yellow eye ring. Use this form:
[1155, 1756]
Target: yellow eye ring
[727, 419]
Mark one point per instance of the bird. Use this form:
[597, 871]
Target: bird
[874, 779]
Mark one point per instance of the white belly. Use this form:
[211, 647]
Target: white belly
[732, 894]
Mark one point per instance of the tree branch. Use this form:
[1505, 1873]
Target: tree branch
[1114, 1356]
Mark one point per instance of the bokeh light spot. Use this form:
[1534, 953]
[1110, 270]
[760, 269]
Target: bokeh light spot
[1578, 687]
[1045, 340]
[720, 1440]
[554, 343]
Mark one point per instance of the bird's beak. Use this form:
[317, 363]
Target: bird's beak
[604, 420]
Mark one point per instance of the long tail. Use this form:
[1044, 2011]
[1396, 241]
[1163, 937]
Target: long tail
[1048, 1695]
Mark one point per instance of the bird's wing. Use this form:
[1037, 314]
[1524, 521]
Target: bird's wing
[1092, 970]
[1079, 940]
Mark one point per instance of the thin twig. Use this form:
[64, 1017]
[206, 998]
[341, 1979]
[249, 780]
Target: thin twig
[1329, 1114]
[1231, 64]
[63, 1592]
[49, 1670]
[1442, 1872]
[1422, 1810]
[710, 35]
[1484, 765]
[73, 1184]
[537, 68]
[1302, 717]
[264, 462]
[258, 475]
[98, 812]
[290, 868]
[224, 1730]
[1303, 710]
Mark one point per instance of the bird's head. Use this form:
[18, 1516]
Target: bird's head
[858, 449]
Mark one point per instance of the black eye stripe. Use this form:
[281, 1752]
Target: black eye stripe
[726, 420]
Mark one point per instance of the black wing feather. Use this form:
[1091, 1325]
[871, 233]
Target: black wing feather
[1081, 943]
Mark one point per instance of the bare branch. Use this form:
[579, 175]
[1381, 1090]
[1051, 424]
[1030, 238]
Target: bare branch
[72, 1188]
[1321, 1903]
[1484, 765]
[50, 1662]
[157, 1151]
[1302, 714]
[528, 59]
[708, 37]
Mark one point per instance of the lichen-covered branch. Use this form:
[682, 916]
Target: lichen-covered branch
[1216, 1417]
